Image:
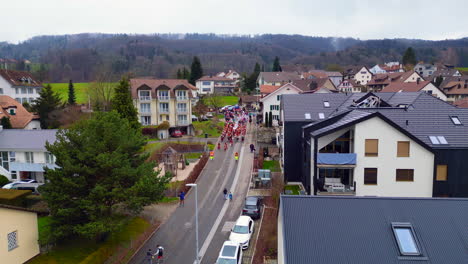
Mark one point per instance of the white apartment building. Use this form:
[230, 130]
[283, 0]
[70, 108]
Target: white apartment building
[19, 85]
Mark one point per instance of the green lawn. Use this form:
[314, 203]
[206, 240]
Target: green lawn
[151, 147]
[80, 91]
[227, 100]
[293, 188]
[272, 165]
[193, 155]
[462, 68]
[76, 250]
[210, 127]
[169, 199]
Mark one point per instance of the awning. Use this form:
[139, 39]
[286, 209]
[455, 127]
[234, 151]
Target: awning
[33, 167]
[336, 159]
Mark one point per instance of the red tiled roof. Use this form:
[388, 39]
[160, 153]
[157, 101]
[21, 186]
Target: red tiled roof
[136, 83]
[457, 87]
[405, 86]
[22, 117]
[14, 78]
[463, 103]
[214, 78]
[268, 89]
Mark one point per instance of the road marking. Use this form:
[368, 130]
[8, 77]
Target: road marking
[227, 226]
[210, 236]
[188, 225]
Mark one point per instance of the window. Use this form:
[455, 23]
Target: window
[29, 157]
[12, 240]
[17, 90]
[164, 107]
[274, 107]
[24, 91]
[321, 116]
[14, 175]
[30, 90]
[146, 120]
[18, 100]
[275, 117]
[442, 140]
[326, 104]
[12, 156]
[455, 120]
[163, 95]
[206, 83]
[406, 239]
[403, 149]
[406, 175]
[49, 158]
[441, 174]
[372, 148]
[307, 116]
[145, 108]
[206, 89]
[278, 97]
[4, 160]
[1, 90]
[370, 176]
[182, 107]
[145, 95]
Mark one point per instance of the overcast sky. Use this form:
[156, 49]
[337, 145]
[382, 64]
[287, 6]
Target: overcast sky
[365, 19]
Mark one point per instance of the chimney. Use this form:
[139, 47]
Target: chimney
[407, 122]
[417, 81]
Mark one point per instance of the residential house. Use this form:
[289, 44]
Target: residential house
[315, 85]
[160, 100]
[388, 67]
[277, 78]
[445, 73]
[217, 85]
[19, 117]
[456, 90]
[384, 144]
[363, 76]
[425, 86]
[250, 102]
[23, 154]
[350, 86]
[296, 68]
[349, 72]
[19, 85]
[19, 234]
[335, 77]
[379, 81]
[425, 69]
[369, 230]
[233, 75]
[271, 102]
[266, 89]
[462, 103]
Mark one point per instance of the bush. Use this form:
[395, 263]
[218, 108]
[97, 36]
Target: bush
[164, 126]
[150, 131]
[3, 180]
[13, 197]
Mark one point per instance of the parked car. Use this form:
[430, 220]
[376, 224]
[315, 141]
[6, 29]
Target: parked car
[242, 231]
[28, 186]
[194, 118]
[176, 133]
[252, 207]
[209, 115]
[11, 184]
[203, 118]
[224, 108]
[231, 253]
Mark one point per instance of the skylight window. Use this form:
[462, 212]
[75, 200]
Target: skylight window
[455, 120]
[321, 116]
[438, 140]
[442, 140]
[434, 140]
[326, 104]
[406, 239]
[307, 116]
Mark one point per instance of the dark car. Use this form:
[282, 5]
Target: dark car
[252, 207]
[176, 133]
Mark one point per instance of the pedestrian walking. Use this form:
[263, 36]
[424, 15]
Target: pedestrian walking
[159, 253]
[225, 193]
[230, 196]
[252, 148]
[182, 198]
[149, 256]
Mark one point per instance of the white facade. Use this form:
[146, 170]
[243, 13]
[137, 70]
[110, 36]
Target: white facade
[20, 94]
[205, 87]
[420, 160]
[363, 76]
[271, 102]
[431, 89]
[377, 69]
[414, 78]
[24, 159]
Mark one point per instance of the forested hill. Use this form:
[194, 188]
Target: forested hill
[82, 57]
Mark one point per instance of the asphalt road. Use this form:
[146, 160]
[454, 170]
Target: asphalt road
[177, 234]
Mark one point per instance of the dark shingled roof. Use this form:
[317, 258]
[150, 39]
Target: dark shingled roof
[332, 230]
[424, 115]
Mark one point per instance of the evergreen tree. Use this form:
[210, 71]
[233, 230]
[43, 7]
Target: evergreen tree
[101, 173]
[276, 65]
[263, 67]
[257, 69]
[270, 119]
[179, 74]
[438, 81]
[71, 93]
[122, 103]
[47, 102]
[409, 58]
[185, 74]
[196, 71]
[5, 122]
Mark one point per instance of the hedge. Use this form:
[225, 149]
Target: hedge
[13, 197]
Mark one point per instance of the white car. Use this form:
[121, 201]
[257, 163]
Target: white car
[242, 231]
[231, 253]
[10, 185]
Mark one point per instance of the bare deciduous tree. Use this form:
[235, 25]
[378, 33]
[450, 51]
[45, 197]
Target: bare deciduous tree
[100, 92]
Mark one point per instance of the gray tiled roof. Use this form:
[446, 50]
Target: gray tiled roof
[426, 115]
[331, 230]
[280, 76]
[21, 139]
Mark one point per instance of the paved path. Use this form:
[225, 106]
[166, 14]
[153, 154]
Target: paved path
[177, 234]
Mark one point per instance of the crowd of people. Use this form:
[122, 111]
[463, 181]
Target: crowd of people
[235, 127]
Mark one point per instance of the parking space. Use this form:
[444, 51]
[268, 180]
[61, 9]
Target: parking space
[247, 256]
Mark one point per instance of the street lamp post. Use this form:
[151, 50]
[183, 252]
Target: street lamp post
[196, 219]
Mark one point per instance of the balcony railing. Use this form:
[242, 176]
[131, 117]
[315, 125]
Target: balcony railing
[181, 110]
[182, 122]
[163, 98]
[163, 110]
[182, 98]
[145, 113]
[145, 98]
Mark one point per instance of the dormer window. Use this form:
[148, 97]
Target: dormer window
[406, 239]
[307, 115]
[321, 116]
[326, 104]
[455, 120]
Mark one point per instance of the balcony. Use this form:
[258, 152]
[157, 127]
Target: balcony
[163, 98]
[182, 110]
[182, 122]
[182, 98]
[145, 113]
[145, 98]
[163, 110]
[336, 160]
